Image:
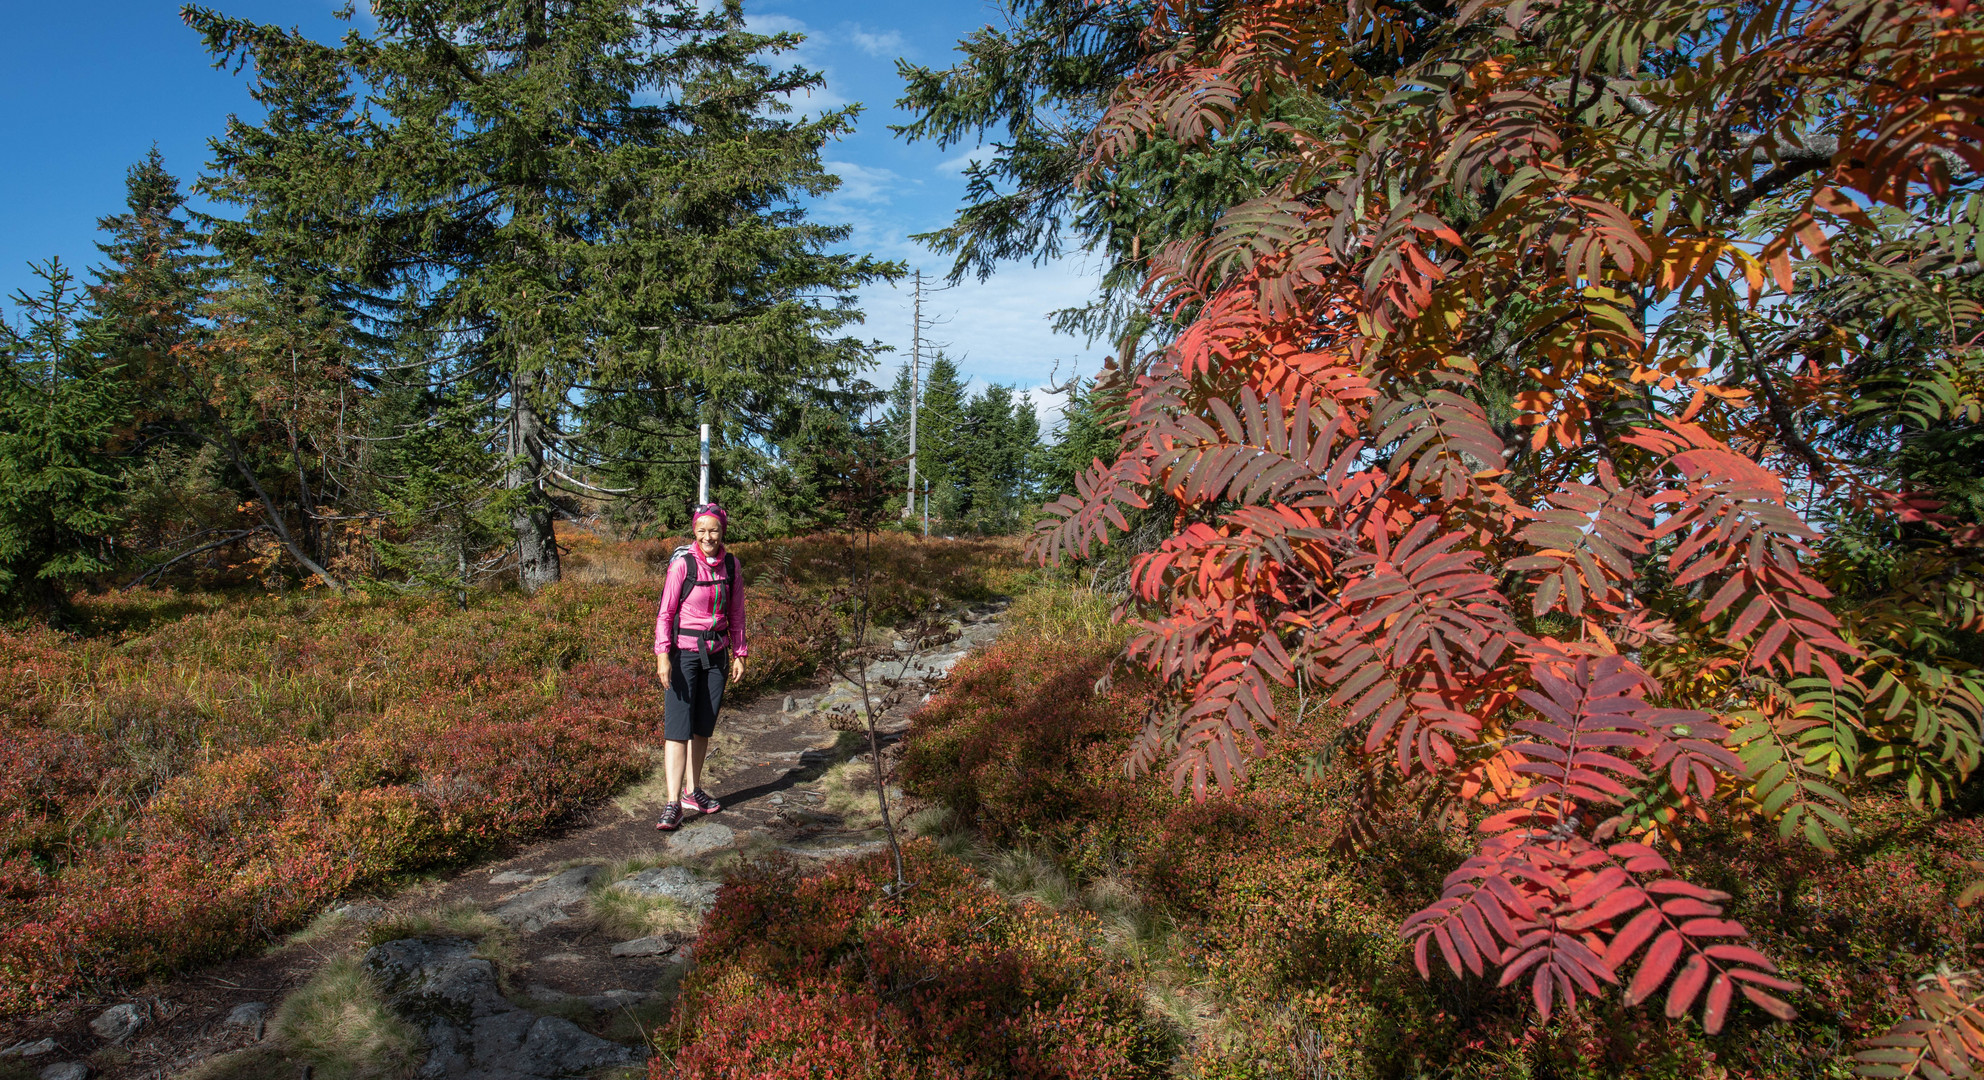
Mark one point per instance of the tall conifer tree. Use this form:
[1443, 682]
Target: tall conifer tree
[59, 407]
[582, 210]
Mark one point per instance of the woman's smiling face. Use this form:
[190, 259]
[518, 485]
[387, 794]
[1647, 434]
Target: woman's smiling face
[709, 534]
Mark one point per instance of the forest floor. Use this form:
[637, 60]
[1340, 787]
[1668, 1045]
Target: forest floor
[585, 934]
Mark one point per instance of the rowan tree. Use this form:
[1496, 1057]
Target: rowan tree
[1534, 415]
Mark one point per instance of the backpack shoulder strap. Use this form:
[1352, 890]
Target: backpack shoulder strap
[686, 555]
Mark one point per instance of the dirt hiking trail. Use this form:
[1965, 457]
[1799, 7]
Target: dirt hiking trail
[549, 961]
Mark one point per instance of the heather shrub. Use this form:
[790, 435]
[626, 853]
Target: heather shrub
[1296, 929]
[827, 975]
[198, 773]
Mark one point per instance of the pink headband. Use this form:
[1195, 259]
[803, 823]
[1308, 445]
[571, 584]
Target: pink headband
[715, 511]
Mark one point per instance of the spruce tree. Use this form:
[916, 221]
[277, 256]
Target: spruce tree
[60, 404]
[1086, 436]
[145, 314]
[147, 295]
[585, 211]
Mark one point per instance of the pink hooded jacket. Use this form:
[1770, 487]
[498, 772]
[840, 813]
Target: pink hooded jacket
[696, 613]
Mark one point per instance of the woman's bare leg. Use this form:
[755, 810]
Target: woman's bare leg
[674, 755]
[699, 748]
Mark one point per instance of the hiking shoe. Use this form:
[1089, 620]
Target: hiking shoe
[700, 800]
[671, 818]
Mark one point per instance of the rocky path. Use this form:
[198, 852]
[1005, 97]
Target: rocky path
[549, 963]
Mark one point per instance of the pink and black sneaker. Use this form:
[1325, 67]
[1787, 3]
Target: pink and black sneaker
[671, 818]
[700, 800]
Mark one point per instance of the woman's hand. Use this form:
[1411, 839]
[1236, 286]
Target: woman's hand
[661, 666]
[736, 669]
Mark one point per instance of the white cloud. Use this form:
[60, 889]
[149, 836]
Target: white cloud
[762, 23]
[862, 183]
[997, 331]
[888, 45]
[955, 166]
[813, 54]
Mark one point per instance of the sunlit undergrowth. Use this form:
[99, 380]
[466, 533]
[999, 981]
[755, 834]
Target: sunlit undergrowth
[199, 772]
[1289, 935]
[830, 975]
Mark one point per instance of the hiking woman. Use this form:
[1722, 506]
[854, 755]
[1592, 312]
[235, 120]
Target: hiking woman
[698, 647]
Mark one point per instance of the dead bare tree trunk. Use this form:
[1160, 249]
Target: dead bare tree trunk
[537, 544]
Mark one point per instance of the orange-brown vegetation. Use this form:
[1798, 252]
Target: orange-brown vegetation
[199, 772]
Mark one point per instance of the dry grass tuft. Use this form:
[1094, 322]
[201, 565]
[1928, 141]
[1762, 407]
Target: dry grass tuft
[456, 920]
[338, 1023]
[1071, 614]
[335, 1028]
[625, 915]
[849, 790]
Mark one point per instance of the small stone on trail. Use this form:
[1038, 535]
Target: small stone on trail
[248, 1016]
[362, 914]
[701, 838]
[677, 883]
[777, 799]
[67, 1070]
[512, 877]
[647, 946]
[615, 999]
[30, 1049]
[545, 995]
[788, 704]
[119, 1022]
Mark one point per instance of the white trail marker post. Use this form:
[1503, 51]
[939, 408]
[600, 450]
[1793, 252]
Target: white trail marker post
[703, 489]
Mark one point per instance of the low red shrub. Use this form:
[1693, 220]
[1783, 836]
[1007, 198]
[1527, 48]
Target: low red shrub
[1302, 932]
[204, 771]
[828, 976]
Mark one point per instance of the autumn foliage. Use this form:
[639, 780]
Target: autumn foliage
[1293, 929]
[204, 772]
[826, 975]
[1527, 423]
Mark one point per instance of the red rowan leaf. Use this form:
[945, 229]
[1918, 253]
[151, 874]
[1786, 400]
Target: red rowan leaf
[1634, 934]
[1772, 1005]
[1716, 1006]
[1687, 984]
[1654, 966]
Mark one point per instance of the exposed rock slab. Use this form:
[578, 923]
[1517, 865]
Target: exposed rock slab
[541, 905]
[701, 838]
[678, 883]
[472, 1031]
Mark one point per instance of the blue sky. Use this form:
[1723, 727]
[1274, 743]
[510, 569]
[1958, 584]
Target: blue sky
[91, 86]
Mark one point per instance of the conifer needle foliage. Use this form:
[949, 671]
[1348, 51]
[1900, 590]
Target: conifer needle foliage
[1578, 407]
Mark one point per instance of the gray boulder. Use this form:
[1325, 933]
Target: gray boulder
[67, 1070]
[118, 1023]
[29, 1049]
[360, 914]
[647, 946]
[472, 1031]
[249, 1016]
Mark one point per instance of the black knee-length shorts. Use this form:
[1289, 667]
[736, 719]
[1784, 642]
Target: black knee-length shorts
[695, 693]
